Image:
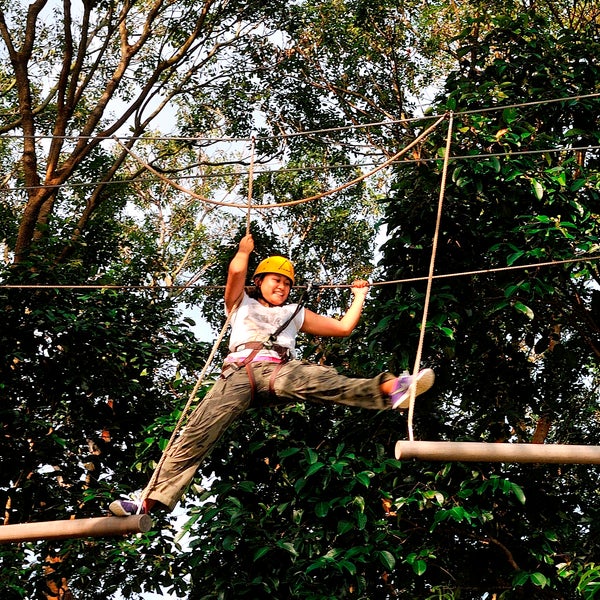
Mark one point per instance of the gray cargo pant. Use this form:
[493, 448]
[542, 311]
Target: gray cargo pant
[296, 381]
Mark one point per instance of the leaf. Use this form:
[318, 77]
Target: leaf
[299, 484]
[518, 492]
[361, 521]
[311, 456]
[365, 477]
[515, 256]
[577, 185]
[344, 527]
[288, 452]
[260, 553]
[524, 309]
[538, 188]
[539, 579]
[288, 547]
[247, 486]
[520, 578]
[314, 468]
[387, 559]
[448, 332]
[419, 567]
[348, 566]
[321, 509]
[229, 542]
[509, 115]
[383, 324]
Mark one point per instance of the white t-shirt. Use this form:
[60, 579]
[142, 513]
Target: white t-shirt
[253, 322]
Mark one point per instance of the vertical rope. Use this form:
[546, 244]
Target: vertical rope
[413, 387]
[213, 351]
[250, 182]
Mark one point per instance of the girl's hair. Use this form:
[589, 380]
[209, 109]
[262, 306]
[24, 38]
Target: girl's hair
[253, 292]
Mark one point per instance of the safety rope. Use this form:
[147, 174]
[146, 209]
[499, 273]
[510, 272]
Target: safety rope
[321, 131]
[191, 398]
[537, 265]
[511, 154]
[413, 387]
[209, 360]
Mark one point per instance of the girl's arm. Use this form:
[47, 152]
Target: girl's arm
[327, 326]
[238, 271]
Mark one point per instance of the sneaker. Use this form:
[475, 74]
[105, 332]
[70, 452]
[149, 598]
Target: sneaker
[400, 396]
[125, 508]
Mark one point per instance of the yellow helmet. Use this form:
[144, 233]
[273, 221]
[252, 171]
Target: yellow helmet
[275, 264]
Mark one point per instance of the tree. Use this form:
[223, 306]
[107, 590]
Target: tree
[516, 349]
[333, 516]
[92, 379]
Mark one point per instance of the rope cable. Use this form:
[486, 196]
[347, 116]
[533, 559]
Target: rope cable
[320, 168]
[413, 386]
[250, 184]
[354, 126]
[209, 360]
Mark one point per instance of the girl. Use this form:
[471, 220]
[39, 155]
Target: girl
[261, 369]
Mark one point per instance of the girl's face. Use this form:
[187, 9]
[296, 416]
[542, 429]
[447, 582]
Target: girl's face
[275, 289]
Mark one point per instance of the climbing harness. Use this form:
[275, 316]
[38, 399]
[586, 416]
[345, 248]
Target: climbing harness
[269, 344]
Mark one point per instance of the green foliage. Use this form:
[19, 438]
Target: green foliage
[305, 501]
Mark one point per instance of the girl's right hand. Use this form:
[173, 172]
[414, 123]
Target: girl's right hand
[247, 244]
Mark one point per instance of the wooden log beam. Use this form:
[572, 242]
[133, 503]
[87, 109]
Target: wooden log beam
[75, 528]
[497, 452]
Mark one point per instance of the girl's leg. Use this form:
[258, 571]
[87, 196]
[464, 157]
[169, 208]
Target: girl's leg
[300, 381]
[226, 401]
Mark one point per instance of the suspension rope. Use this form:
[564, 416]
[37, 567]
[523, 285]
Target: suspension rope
[200, 379]
[316, 132]
[344, 186]
[413, 387]
[209, 360]
[313, 169]
[250, 184]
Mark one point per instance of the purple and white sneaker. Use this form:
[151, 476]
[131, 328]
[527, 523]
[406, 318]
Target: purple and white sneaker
[126, 508]
[400, 396]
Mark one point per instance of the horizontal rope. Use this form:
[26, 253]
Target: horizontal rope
[99, 286]
[248, 205]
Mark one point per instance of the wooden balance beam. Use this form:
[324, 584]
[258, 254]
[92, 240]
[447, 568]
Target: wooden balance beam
[75, 528]
[497, 452]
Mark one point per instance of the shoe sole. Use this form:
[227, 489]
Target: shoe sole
[425, 380]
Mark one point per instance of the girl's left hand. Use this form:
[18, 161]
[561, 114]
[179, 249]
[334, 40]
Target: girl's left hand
[360, 287]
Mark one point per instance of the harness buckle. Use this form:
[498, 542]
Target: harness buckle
[268, 345]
